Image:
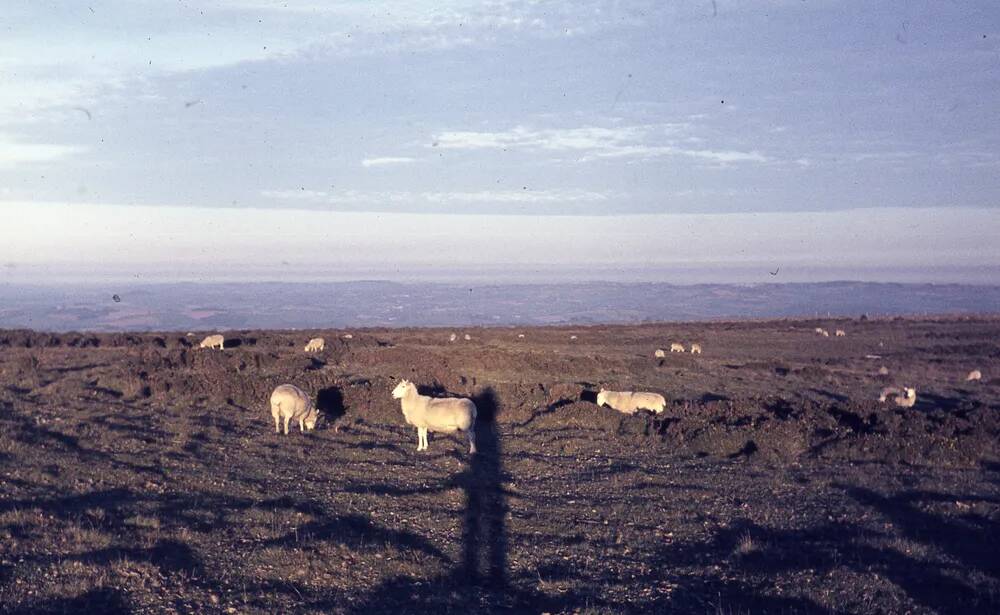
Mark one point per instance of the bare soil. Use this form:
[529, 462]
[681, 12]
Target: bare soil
[141, 474]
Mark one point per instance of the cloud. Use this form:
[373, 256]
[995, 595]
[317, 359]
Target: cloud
[595, 142]
[386, 161]
[13, 153]
[403, 197]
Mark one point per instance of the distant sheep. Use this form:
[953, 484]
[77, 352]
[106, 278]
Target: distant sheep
[823, 332]
[467, 337]
[675, 347]
[904, 397]
[212, 341]
[840, 333]
[316, 344]
[695, 348]
[520, 336]
[628, 402]
[446, 414]
[974, 375]
[660, 353]
[883, 371]
[288, 403]
[572, 337]
[348, 336]
[452, 337]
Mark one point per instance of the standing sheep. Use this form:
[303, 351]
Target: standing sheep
[446, 415]
[628, 402]
[289, 402]
[695, 348]
[212, 341]
[316, 344]
[675, 347]
[659, 354]
[840, 333]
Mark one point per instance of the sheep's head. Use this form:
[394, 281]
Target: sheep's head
[311, 418]
[401, 389]
[910, 392]
[602, 396]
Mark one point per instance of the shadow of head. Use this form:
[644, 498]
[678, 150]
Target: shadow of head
[487, 406]
[330, 403]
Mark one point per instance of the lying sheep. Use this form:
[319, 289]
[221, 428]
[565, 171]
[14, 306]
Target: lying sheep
[467, 337]
[348, 336]
[572, 337]
[316, 344]
[659, 354]
[675, 347]
[520, 336]
[695, 348]
[212, 341]
[823, 332]
[452, 337]
[628, 402]
[289, 402]
[974, 375]
[904, 397]
[840, 333]
[447, 415]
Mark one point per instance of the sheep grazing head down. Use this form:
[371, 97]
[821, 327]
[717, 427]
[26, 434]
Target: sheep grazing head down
[602, 397]
[402, 389]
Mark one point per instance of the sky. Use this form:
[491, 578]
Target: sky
[243, 139]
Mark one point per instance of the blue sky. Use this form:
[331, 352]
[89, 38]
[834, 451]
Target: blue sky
[542, 120]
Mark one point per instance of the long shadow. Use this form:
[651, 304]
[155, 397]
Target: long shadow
[97, 601]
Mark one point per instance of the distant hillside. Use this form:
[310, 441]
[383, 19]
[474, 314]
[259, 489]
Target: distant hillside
[361, 304]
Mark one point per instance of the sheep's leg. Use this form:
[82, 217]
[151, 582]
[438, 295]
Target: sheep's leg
[423, 438]
[277, 422]
[287, 420]
[302, 426]
[420, 440]
[472, 441]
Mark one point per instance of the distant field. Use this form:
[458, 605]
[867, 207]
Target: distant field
[272, 305]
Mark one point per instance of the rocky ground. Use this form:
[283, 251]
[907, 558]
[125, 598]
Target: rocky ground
[139, 473]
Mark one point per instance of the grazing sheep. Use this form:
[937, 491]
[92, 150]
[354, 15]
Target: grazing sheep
[452, 337]
[695, 348]
[467, 337]
[659, 354]
[818, 330]
[212, 341]
[289, 402]
[675, 347]
[316, 344]
[446, 414]
[628, 402]
[904, 397]
[974, 375]
[348, 336]
[840, 333]
[823, 332]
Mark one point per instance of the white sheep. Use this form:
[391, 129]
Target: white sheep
[675, 347]
[467, 337]
[348, 336]
[520, 336]
[659, 354]
[823, 332]
[695, 348]
[628, 402]
[840, 333]
[289, 402]
[212, 341]
[452, 337]
[316, 344]
[883, 371]
[572, 337]
[974, 375]
[904, 397]
[448, 414]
